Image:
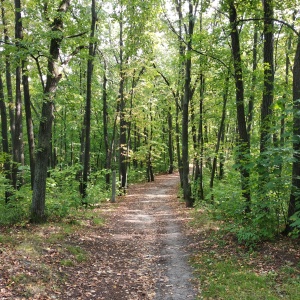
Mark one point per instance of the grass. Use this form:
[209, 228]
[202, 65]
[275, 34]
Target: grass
[79, 254]
[226, 279]
[227, 270]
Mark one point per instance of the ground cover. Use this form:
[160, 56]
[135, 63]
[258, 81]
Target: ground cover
[143, 247]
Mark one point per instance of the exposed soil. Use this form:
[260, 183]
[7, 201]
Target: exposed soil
[140, 253]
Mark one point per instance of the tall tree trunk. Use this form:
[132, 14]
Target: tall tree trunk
[29, 122]
[170, 142]
[18, 152]
[187, 193]
[45, 127]
[179, 94]
[4, 135]
[220, 132]
[253, 80]
[123, 125]
[105, 127]
[243, 139]
[8, 76]
[201, 137]
[149, 161]
[266, 109]
[294, 203]
[90, 66]
[5, 140]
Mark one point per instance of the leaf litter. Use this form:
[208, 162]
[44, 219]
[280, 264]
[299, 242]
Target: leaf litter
[139, 252]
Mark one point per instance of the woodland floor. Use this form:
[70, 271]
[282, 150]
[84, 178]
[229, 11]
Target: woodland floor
[138, 248]
[138, 253]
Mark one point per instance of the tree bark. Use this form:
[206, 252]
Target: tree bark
[105, 128]
[266, 108]
[123, 124]
[220, 132]
[29, 122]
[170, 142]
[243, 140]
[45, 127]
[4, 135]
[200, 137]
[253, 80]
[18, 151]
[294, 203]
[90, 66]
[8, 77]
[187, 193]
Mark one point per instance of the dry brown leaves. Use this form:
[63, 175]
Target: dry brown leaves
[84, 261]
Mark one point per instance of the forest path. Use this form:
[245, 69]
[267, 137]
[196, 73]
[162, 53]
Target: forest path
[140, 252]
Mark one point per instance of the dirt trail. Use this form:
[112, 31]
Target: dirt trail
[139, 254]
[143, 255]
[161, 226]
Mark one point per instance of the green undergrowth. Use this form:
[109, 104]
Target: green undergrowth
[63, 199]
[228, 270]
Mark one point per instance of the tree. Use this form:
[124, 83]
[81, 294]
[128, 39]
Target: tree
[187, 193]
[243, 140]
[45, 126]
[294, 201]
[268, 91]
[4, 134]
[220, 132]
[18, 150]
[87, 125]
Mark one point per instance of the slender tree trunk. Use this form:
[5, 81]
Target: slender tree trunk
[253, 80]
[266, 108]
[29, 123]
[45, 127]
[220, 132]
[90, 67]
[4, 135]
[294, 203]
[4, 122]
[170, 142]
[200, 137]
[179, 94]
[18, 151]
[105, 128]
[187, 193]
[150, 166]
[243, 140]
[8, 77]
[123, 124]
